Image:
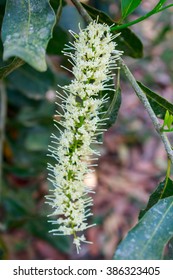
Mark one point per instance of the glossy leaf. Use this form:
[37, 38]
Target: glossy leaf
[164, 189]
[127, 41]
[128, 6]
[159, 104]
[146, 241]
[26, 31]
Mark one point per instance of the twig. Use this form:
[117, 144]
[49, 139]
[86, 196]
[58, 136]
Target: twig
[6, 70]
[141, 95]
[3, 109]
[82, 11]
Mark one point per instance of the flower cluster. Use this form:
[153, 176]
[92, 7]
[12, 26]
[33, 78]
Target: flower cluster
[93, 56]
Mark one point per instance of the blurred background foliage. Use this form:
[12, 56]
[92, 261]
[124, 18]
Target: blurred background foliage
[132, 158]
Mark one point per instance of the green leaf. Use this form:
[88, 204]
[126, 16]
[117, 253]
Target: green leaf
[16, 214]
[94, 13]
[169, 122]
[146, 241]
[2, 2]
[164, 189]
[57, 3]
[113, 109]
[128, 6]
[40, 228]
[166, 118]
[34, 114]
[14, 207]
[159, 104]
[127, 41]
[26, 31]
[59, 39]
[30, 82]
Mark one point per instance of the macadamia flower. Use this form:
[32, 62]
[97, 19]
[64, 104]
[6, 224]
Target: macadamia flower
[93, 56]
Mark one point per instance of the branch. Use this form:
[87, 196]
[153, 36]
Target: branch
[6, 70]
[82, 11]
[141, 95]
[3, 110]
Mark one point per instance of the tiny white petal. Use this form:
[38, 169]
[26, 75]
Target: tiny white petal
[93, 58]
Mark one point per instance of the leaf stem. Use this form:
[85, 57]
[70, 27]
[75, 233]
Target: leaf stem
[3, 111]
[141, 95]
[82, 11]
[6, 70]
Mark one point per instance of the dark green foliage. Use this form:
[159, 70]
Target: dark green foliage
[56, 44]
[113, 108]
[164, 189]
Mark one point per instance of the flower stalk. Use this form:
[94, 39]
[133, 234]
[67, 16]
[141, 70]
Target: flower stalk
[93, 55]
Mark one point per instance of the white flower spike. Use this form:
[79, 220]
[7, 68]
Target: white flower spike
[94, 56]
